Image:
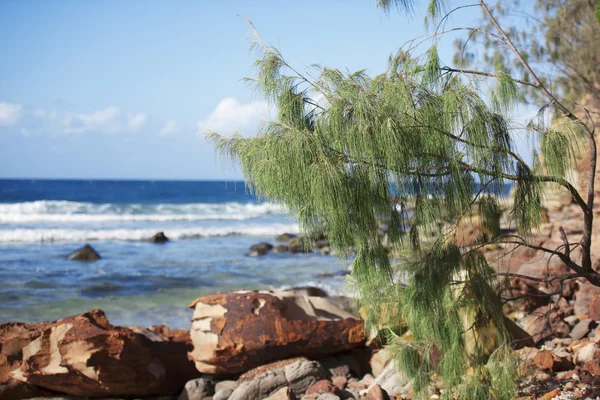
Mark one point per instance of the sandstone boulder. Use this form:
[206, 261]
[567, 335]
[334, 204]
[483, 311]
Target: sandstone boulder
[584, 298]
[594, 308]
[547, 321]
[198, 389]
[86, 356]
[86, 253]
[14, 336]
[298, 377]
[159, 237]
[234, 332]
[17, 390]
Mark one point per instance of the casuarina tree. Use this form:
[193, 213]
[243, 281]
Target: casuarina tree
[420, 149]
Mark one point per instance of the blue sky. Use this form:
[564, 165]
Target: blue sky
[121, 89]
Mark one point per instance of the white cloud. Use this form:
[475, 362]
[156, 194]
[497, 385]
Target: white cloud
[42, 114]
[108, 120]
[135, 122]
[10, 113]
[230, 116]
[170, 128]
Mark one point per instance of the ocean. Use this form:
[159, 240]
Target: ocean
[211, 225]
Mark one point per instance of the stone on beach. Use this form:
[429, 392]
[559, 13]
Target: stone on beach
[297, 377]
[86, 356]
[198, 389]
[234, 332]
[86, 253]
[159, 237]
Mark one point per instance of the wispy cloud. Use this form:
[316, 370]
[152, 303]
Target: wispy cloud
[108, 120]
[230, 115]
[10, 113]
[135, 122]
[170, 128]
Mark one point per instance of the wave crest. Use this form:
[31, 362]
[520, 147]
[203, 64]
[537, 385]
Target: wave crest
[82, 235]
[77, 212]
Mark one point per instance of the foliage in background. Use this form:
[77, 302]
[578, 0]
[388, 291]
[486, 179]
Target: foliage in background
[422, 147]
[560, 37]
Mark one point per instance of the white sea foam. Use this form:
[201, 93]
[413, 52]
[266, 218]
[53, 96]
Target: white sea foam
[81, 235]
[76, 212]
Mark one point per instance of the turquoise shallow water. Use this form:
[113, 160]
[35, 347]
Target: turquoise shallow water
[211, 224]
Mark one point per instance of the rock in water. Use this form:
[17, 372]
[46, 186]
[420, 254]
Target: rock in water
[86, 356]
[86, 253]
[260, 249]
[234, 332]
[159, 237]
[286, 237]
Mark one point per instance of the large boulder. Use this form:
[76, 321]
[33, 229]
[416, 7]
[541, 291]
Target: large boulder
[234, 332]
[14, 336]
[86, 356]
[86, 253]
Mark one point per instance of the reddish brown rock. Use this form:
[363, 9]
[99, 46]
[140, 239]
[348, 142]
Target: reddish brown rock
[234, 332]
[547, 321]
[86, 356]
[550, 395]
[377, 393]
[583, 298]
[16, 390]
[519, 338]
[549, 361]
[323, 386]
[582, 328]
[13, 337]
[594, 308]
[593, 367]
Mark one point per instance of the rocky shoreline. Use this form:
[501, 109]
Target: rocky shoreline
[301, 343]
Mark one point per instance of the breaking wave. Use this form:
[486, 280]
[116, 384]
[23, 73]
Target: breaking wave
[77, 212]
[24, 235]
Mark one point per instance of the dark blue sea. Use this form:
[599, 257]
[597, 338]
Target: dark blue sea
[211, 225]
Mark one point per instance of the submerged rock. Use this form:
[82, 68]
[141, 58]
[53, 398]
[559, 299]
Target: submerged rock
[260, 249]
[86, 253]
[234, 332]
[281, 248]
[286, 237]
[159, 237]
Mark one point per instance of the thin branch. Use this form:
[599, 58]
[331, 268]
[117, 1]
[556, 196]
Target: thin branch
[486, 74]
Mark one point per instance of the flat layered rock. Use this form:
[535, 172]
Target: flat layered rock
[237, 331]
[86, 356]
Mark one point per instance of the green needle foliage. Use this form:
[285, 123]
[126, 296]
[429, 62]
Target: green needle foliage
[413, 146]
